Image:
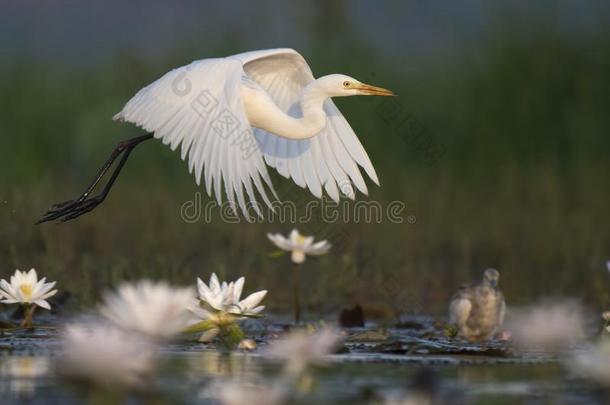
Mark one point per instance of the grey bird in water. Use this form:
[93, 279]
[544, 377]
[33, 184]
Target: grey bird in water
[478, 310]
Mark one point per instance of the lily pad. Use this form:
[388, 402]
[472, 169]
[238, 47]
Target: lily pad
[413, 345]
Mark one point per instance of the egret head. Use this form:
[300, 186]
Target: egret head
[491, 276]
[338, 85]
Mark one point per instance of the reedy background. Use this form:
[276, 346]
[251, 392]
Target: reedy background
[514, 100]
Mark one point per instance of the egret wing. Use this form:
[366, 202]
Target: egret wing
[330, 159]
[199, 107]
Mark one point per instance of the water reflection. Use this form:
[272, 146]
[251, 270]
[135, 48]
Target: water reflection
[191, 376]
[213, 374]
[222, 365]
[22, 375]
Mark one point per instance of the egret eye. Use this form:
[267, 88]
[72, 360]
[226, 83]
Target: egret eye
[346, 84]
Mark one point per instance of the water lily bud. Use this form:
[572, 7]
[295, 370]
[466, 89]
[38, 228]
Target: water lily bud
[299, 245]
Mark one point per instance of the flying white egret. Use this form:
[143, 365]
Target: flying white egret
[232, 115]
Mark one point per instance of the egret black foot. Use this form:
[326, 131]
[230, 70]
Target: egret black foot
[71, 209]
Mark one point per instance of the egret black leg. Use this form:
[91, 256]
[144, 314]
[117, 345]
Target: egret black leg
[71, 209]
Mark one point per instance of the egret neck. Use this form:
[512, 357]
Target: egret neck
[300, 123]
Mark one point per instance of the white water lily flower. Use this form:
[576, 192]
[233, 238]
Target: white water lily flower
[299, 245]
[300, 349]
[153, 309]
[225, 297]
[25, 288]
[220, 306]
[106, 356]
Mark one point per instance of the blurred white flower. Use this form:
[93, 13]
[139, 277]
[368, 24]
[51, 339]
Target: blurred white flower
[608, 265]
[153, 309]
[300, 349]
[25, 288]
[549, 326]
[594, 362]
[226, 298]
[107, 356]
[299, 245]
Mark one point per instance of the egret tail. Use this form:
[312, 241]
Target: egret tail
[85, 203]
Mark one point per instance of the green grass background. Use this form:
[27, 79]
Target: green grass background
[501, 154]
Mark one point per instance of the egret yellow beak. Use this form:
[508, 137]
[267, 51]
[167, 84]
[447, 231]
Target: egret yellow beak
[369, 90]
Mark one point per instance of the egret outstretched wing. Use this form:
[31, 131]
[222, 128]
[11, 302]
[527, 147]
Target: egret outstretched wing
[329, 159]
[199, 107]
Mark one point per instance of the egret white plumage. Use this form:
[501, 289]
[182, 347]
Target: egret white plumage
[234, 116]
